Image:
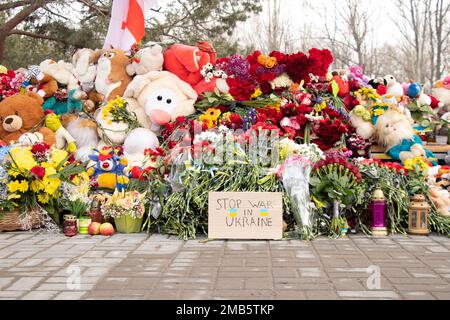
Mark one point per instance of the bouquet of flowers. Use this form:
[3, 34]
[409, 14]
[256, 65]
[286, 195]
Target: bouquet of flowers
[33, 176]
[130, 203]
[10, 83]
[116, 111]
[334, 184]
[296, 174]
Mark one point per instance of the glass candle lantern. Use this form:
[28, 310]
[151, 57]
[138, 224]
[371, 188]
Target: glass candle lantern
[418, 215]
[378, 210]
[70, 226]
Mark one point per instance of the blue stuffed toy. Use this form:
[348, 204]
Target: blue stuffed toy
[395, 131]
[63, 102]
[108, 171]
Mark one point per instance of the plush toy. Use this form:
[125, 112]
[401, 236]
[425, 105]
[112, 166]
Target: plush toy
[112, 77]
[342, 84]
[108, 171]
[29, 139]
[84, 132]
[394, 131]
[163, 97]
[43, 84]
[189, 62]
[356, 73]
[441, 199]
[361, 120]
[64, 139]
[149, 58]
[85, 70]
[375, 82]
[441, 91]
[393, 87]
[62, 72]
[63, 102]
[20, 114]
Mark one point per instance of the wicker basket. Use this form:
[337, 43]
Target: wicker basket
[16, 221]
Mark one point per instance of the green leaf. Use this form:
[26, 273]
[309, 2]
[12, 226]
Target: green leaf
[335, 88]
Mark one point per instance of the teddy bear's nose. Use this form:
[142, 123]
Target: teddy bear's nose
[9, 120]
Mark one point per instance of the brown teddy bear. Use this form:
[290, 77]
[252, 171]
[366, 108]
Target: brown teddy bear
[21, 113]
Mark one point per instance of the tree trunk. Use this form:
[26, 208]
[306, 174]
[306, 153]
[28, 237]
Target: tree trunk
[2, 44]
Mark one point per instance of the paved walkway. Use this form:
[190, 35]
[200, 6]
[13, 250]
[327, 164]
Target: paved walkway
[49, 266]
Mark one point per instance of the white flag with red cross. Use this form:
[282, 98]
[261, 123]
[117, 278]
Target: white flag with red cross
[127, 25]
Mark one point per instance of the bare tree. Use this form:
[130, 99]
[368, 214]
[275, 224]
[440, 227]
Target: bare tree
[269, 31]
[16, 14]
[348, 30]
[425, 29]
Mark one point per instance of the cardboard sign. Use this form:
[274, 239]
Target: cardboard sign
[245, 215]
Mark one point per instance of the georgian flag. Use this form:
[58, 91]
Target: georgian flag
[127, 25]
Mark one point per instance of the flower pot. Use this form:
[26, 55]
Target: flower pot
[127, 224]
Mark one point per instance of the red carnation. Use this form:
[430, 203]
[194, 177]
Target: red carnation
[266, 87]
[381, 90]
[280, 56]
[38, 171]
[40, 148]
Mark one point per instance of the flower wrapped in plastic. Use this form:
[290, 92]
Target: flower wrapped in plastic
[296, 174]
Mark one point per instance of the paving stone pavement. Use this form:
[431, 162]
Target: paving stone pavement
[37, 265]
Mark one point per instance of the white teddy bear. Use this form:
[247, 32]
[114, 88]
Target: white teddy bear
[149, 58]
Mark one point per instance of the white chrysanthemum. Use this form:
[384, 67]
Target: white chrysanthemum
[282, 81]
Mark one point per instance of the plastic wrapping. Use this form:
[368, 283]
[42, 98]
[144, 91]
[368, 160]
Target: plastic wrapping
[296, 173]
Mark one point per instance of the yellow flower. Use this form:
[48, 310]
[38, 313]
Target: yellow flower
[14, 172]
[226, 116]
[210, 117]
[257, 93]
[57, 156]
[23, 158]
[15, 185]
[320, 107]
[76, 180]
[213, 114]
[416, 163]
[43, 198]
[209, 123]
[51, 185]
[36, 186]
[378, 112]
[13, 196]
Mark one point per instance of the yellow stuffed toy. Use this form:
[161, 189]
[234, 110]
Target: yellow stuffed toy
[63, 138]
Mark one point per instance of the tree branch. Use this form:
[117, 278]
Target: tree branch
[12, 5]
[39, 36]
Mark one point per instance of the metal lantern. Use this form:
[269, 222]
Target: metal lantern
[378, 209]
[418, 215]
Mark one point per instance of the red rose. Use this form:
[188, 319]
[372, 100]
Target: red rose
[280, 56]
[38, 171]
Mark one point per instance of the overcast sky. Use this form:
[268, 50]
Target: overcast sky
[298, 13]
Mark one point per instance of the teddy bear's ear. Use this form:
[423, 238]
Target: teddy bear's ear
[98, 53]
[139, 82]
[136, 86]
[35, 96]
[186, 88]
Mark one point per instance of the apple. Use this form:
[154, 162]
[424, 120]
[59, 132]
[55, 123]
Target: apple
[94, 228]
[106, 229]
